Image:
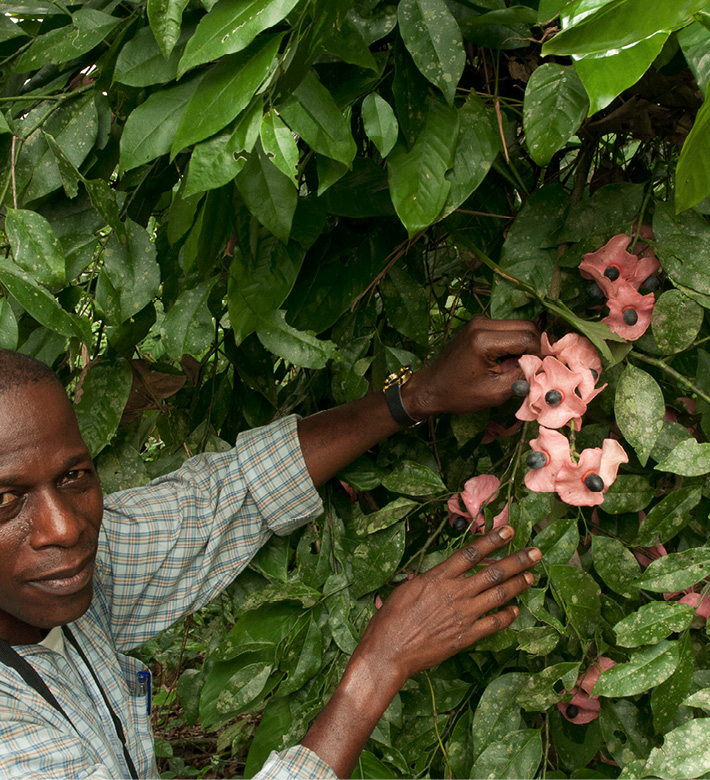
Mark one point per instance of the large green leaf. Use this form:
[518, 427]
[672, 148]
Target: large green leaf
[676, 571]
[676, 321]
[554, 107]
[653, 622]
[413, 479]
[376, 559]
[694, 41]
[518, 754]
[406, 305]
[558, 541]
[225, 91]
[620, 23]
[615, 564]
[188, 327]
[380, 123]
[104, 393]
[88, 28]
[625, 730]
[667, 697]
[498, 712]
[668, 517]
[230, 27]
[692, 177]
[268, 193]
[165, 17]
[689, 459]
[579, 594]
[606, 77]
[683, 754]
[35, 246]
[646, 668]
[141, 62]
[628, 493]
[280, 145]
[8, 325]
[433, 38]
[150, 128]
[417, 177]
[299, 347]
[312, 113]
[639, 409]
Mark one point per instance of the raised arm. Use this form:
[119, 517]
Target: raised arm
[471, 374]
[422, 623]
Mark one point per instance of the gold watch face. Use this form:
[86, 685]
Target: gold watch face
[398, 377]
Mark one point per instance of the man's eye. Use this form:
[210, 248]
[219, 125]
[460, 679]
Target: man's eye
[6, 499]
[73, 476]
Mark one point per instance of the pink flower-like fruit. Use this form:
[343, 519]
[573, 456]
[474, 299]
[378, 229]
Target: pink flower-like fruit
[578, 354]
[612, 265]
[552, 399]
[554, 447]
[629, 311]
[585, 483]
[583, 707]
[477, 492]
[701, 604]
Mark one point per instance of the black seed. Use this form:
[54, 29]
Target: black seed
[521, 388]
[595, 291]
[553, 397]
[612, 273]
[572, 710]
[460, 524]
[630, 316]
[594, 482]
[595, 374]
[536, 460]
[652, 283]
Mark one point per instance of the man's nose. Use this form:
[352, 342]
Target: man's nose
[55, 523]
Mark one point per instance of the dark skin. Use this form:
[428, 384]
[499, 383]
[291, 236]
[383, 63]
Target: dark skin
[51, 508]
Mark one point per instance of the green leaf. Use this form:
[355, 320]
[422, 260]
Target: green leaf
[517, 755]
[625, 730]
[230, 27]
[692, 177]
[312, 113]
[619, 23]
[268, 193]
[104, 394]
[376, 559]
[40, 304]
[682, 755]
[558, 541]
[165, 17]
[554, 107]
[121, 467]
[301, 348]
[380, 123]
[226, 90]
[676, 321]
[8, 326]
[616, 565]
[676, 571]
[628, 493]
[67, 170]
[433, 38]
[579, 594]
[150, 128]
[694, 41]
[413, 479]
[388, 515]
[406, 305]
[689, 459]
[279, 145]
[646, 668]
[671, 435]
[141, 61]
[35, 246]
[538, 640]
[132, 272]
[606, 77]
[498, 711]
[188, 327]
[699, 700]
[667, 697]
[347, 43]
[230, 688]
[639, 409]
[88, 28]
[416, 177]
[306, 663]
[653, 622]
[668, 517]
[539, 694]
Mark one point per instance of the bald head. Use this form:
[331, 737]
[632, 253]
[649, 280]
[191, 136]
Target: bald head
[17, 371]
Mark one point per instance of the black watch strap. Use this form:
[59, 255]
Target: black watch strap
[393, 396]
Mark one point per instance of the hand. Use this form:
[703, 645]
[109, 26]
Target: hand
[443, 611]
[472, 373]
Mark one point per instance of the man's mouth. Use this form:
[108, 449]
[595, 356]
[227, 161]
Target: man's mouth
[66, 581]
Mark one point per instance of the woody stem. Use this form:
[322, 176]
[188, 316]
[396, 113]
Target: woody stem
[682, 380]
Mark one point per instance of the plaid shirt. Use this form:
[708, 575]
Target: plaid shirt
[164, 551]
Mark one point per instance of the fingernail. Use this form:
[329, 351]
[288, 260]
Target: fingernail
[534, 554]
[516, 611]
[529, 578]
[506, 532]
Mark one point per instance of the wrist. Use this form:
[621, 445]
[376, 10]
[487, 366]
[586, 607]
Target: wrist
[417, 399]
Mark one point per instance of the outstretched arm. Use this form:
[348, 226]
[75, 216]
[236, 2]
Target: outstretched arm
[422, 623]
[471, 374]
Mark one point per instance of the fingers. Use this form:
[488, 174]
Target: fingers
[466, 558]
[496, 574]
[484, 323]
[495, 344]
[492, 623]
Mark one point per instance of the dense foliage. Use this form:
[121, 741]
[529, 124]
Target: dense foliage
[217, 212]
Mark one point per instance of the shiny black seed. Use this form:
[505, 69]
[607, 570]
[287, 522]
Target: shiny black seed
[652, 283]
[521, 388]
[594, 482]
[595, 374]
[553, 397]
[630, 316]
[536, 460]
[460, 524]
[572, 710]
[595, 291]
[612, 273]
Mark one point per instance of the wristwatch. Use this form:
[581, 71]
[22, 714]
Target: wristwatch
[393, 395]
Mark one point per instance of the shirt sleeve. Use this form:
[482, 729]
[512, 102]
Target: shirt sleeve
[296, 763]
[168, 548]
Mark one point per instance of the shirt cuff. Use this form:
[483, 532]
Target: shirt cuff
[295, 763]
[277, 477]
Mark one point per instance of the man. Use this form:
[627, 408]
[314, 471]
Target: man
[84, 579]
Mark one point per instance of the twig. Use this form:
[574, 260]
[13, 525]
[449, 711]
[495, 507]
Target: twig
[12, 172]
[682, 380]
[436, 728]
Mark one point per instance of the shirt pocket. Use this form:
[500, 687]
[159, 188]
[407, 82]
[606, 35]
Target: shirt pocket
[137, 678]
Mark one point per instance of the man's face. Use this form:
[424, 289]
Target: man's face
[51, 507]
